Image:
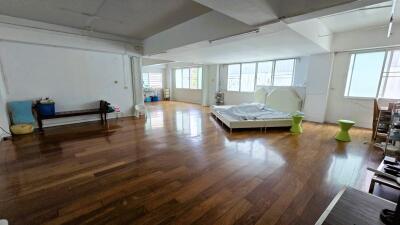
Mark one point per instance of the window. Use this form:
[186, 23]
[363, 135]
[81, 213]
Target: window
[178, 78]
[284, 72]
[185, 78]
[390, 87]
[248, 77]
[264, 73]
[374, 74]
[244, 76]
[152, 80]
[189, 78]
[234, 77]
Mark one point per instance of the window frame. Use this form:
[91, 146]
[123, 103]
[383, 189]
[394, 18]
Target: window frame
[148, 79]
[256, 73]
[199, 77]
[386, 59]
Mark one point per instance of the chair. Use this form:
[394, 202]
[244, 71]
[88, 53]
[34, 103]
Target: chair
[141, 109]
[296, 124]
[345, 126]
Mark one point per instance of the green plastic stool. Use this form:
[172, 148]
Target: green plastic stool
[296, 124]
[345, 126]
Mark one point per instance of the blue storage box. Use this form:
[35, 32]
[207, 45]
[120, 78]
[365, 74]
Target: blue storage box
[21, 112]
[155, 99]
[47, 109]
[147, 99]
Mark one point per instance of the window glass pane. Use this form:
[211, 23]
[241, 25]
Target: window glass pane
[200, 83]
[264, 73]
[364, 74]
[155, 80]
[248, 77]
[178, 78]
[390, 85]
[185, 78]
[146, 83]
[394, 65]
[233, 77]
[284, 72]
[194, 78]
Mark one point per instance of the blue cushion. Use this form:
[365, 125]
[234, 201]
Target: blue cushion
[21, 112]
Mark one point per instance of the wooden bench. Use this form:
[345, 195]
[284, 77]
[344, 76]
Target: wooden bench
[102, 110]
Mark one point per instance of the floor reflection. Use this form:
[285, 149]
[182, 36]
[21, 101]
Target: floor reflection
[256, 150]
[155, 119]
[343, 169]
[188, 122]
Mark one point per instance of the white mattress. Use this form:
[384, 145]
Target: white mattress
[253, 111]
[233, 122]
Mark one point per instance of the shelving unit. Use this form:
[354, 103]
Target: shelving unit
[381, 124]
[393, 140]
[388, 129]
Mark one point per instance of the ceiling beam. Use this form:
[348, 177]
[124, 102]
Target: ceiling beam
[251, 12]
[210, 26]
[346, 5]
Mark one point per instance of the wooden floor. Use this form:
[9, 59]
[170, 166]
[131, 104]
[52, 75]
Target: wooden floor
[178, 167]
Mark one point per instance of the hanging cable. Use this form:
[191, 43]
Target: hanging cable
[5, 131]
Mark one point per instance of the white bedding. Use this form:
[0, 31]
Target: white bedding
[253, 111]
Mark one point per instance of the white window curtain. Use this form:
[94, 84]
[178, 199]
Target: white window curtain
[137, 83]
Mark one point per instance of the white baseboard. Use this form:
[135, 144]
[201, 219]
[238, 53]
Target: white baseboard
[79, 119]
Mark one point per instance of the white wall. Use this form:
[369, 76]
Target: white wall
[339, 107]
[212, 78]
[75, 67]
[356, 109]
[4, 122]
[74, 78]
[188, 95]
[319, 76]
[29, 31]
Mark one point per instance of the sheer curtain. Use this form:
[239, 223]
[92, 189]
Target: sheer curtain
[137, 83]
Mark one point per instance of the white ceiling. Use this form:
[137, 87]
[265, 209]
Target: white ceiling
[251, 12]
[140, 19]
[253, 47]
[371, 16]
[136, 19]
[280, 43]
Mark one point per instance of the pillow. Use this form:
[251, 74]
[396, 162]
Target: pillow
[21, 129]
[21, 112]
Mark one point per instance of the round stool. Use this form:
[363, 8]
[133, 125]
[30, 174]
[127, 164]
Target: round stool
[296, 124]
[345, 126]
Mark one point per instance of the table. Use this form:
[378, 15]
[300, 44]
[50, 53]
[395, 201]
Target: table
[382, 180]
[354, 207]
[102, 110]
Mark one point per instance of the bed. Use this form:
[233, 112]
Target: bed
[284, 100]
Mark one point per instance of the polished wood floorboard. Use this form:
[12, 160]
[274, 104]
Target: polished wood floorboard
[178, 167]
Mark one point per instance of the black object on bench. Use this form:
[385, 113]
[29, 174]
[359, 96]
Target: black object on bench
[102, 110]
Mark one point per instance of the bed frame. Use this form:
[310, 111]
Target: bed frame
[282, 99]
